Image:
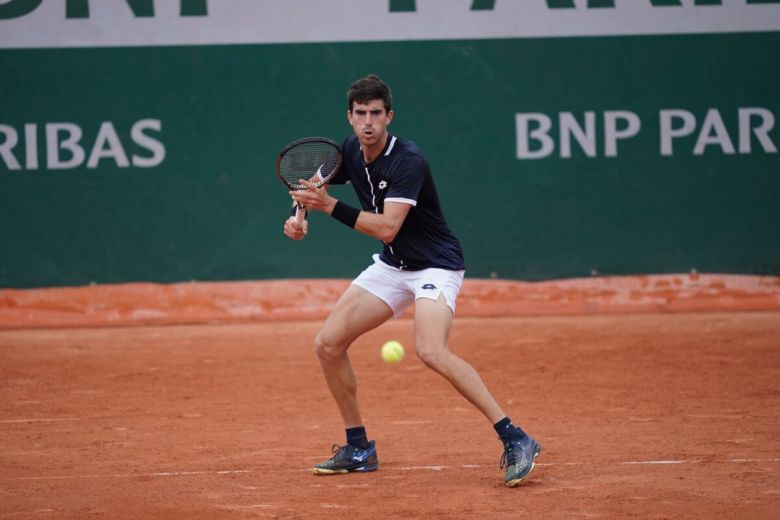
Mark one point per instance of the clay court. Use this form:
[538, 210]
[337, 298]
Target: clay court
[641, 415]
[607, 172]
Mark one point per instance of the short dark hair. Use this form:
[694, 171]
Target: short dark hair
[368, 89]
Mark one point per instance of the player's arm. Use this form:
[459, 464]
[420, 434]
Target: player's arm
[383, 226]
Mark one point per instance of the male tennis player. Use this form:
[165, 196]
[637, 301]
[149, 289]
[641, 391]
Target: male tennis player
[421, 263]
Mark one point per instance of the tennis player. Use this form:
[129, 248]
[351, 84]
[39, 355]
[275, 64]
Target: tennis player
[421, 263]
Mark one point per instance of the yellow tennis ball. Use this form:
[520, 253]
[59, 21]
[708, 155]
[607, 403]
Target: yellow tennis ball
[392, 352]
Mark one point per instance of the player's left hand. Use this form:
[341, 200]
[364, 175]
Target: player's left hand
[295, 230]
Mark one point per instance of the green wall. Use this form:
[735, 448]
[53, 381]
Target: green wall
[213, 209]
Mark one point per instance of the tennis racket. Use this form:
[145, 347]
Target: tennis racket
[315, 159]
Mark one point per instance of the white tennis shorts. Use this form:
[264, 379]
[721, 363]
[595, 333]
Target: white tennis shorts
[399, 288]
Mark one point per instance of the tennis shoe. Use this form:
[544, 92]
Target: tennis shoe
[347, 459]
[518, 458]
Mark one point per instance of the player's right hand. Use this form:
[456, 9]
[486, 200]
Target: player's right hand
[295, 230]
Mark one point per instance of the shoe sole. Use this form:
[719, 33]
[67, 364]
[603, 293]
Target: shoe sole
[359, 469]
[516, 481]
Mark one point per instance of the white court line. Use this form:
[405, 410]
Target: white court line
[664, 462]
[661, 462]
[401, 468]
[131, 475]
[52, 419]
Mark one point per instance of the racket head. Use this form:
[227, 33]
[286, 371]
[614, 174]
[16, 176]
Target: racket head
[315, 159]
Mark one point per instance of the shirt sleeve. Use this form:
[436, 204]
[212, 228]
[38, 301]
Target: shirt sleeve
[406, 181]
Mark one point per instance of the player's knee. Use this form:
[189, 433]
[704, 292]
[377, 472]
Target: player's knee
[432, 358]
[327, 351]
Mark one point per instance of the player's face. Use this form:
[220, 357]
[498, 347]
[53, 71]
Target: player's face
[369, 121]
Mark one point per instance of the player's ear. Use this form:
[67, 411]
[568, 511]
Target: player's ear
[389, 116]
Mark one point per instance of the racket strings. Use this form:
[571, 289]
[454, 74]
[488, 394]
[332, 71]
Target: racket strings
[312, 161]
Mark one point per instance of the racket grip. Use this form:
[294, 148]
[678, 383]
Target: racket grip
[300, 214]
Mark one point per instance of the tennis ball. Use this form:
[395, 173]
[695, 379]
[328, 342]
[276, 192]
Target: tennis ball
[392, 352]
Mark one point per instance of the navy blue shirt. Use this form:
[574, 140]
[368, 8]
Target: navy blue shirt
[401, 174]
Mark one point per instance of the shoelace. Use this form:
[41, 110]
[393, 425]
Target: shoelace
[508, 457]
[341, 452]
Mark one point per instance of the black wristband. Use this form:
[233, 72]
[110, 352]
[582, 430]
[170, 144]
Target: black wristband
[345, 214]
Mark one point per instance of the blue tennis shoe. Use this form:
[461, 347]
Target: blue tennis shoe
[518, 458]
[347, 459]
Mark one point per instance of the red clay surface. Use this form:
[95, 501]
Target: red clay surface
[640, 416]
[157, 304]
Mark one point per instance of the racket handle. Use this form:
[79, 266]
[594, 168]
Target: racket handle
[300, 214]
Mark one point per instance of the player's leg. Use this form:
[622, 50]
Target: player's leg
[432, 324]
[356, 312]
